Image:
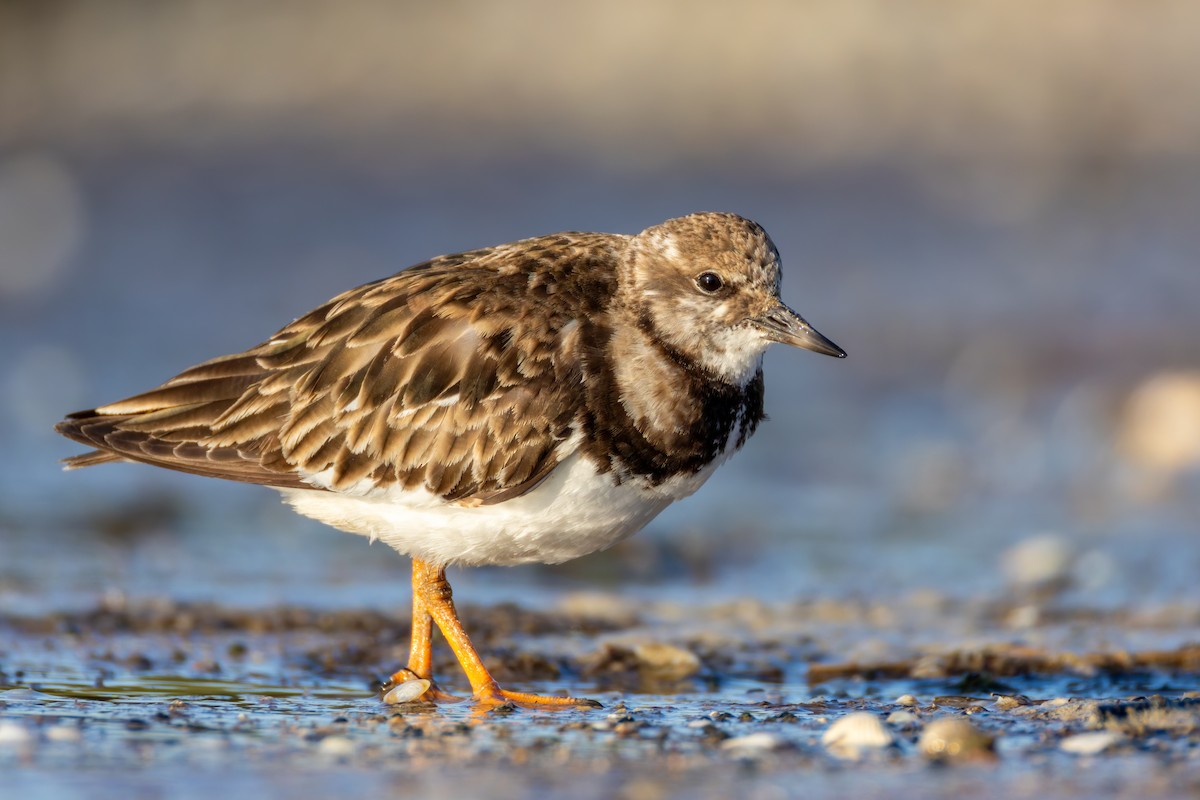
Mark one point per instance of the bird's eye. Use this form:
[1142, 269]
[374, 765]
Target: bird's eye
[709, 282]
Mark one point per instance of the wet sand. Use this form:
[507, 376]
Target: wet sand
[921, 696]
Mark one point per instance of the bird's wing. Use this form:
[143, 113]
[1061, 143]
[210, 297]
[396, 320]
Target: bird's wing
[461, 376]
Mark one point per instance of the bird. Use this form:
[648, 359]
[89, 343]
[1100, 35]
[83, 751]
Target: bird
[531, 402]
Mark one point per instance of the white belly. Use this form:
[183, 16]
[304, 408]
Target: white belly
[573, 512]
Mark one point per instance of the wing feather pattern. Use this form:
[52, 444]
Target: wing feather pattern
[460, 376]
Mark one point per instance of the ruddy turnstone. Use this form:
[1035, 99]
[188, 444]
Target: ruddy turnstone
[530, 402]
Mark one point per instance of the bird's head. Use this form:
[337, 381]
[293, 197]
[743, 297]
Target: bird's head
[708, 286]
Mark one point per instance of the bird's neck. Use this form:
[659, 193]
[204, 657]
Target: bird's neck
[658, 412]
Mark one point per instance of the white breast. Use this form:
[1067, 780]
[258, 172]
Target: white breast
[573, 512]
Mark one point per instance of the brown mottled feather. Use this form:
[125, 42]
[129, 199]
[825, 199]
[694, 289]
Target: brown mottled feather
[474, 375]
[362, 386]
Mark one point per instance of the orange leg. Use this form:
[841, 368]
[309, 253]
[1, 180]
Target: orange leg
[420, 650]
[433, 601]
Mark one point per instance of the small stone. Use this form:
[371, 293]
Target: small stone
[63, 733]
[1039, 562]
[338, 746]
[906, 700]
[957, 701]
[14, 734]
[603, 606]
[903, 718]
[666, 660]
[1090, 744]
[627, 729]
[955, 740]
[398, 726]
[1024, 616]
[928, 667]
[406, 692]
[850, 736]
[1071, 710]
[1007, 702]
[752, 744]
[1031, 711]
[1160, 426]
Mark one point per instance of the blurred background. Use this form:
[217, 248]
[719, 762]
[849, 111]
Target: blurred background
[993, 206]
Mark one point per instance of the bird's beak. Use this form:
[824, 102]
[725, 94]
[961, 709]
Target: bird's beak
[785, 326]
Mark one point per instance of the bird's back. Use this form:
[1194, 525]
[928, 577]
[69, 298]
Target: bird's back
[461, 376]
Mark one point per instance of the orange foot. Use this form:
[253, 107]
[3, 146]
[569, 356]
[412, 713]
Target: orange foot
[405, 676]
[493, 695]
[433, 603]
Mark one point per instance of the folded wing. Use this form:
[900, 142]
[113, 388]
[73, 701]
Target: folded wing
[455, 376]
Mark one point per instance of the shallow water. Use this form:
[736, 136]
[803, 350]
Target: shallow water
[242, 708]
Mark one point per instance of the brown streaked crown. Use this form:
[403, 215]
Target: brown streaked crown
[711, 328]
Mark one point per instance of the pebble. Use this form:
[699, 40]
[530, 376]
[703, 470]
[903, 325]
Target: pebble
[1090, 744]
[1007, 702]
[1071, 710]
[63, 733]
[604, 606]
[753, 744]
[1039, 562]
[666, 660]
[338, 746]
[1160, 429]
[851, 735]
[14, 734]
[955, 740]
[406, 692]
[1024, 616]
[906, 700]
[928, 667]
[397, 726]
[903, 718]
[958, 701]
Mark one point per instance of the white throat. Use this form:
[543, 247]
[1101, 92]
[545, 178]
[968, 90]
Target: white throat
[736, 354]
